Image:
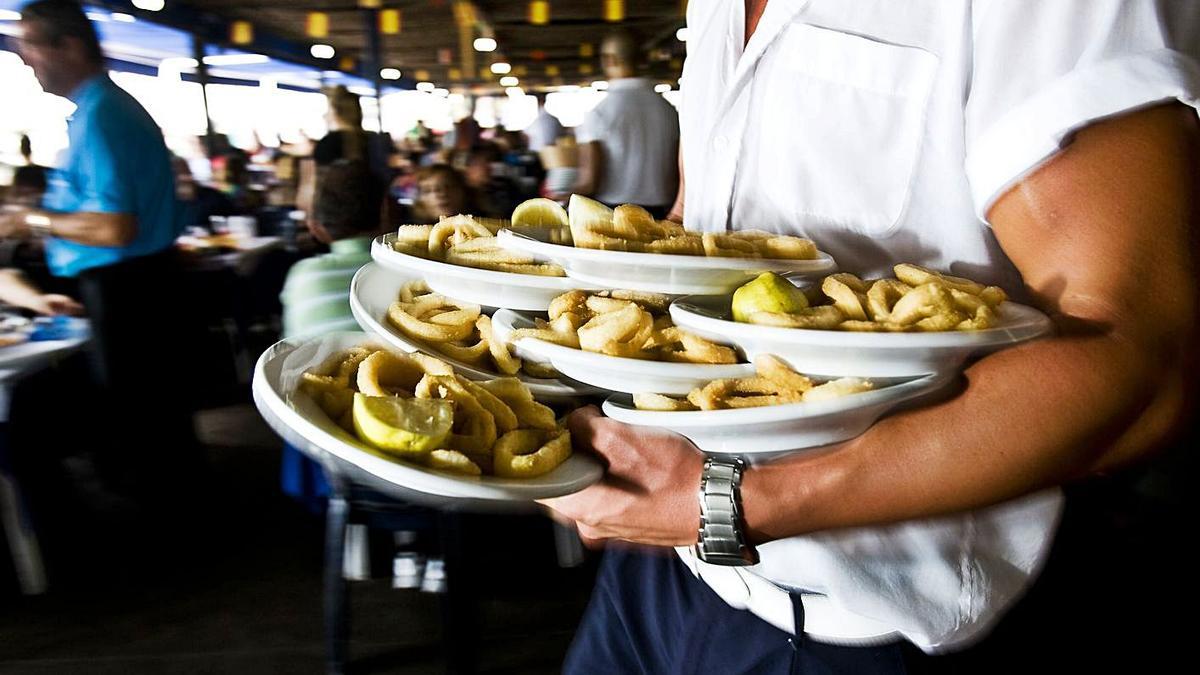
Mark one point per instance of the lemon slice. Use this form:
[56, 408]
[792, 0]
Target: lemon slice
[540, 212]
[410, 427]
[769, 292]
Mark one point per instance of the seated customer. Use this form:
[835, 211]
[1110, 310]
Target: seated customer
[346, 216]
[316, 294]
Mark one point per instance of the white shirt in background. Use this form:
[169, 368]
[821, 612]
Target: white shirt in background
[885, 131]
[544, 130]
[638, 133]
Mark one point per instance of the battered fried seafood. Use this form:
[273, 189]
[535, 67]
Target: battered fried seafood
[415, 407]
[918, 299]
[623, 324]
[632, 228]
[468, 241]
[774, 384]
[456, 330]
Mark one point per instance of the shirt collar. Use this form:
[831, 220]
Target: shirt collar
[87, 89]
[354, 245]
[629, 83]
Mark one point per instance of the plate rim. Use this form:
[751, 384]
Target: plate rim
[383, 253]
[482, 488]
[559, 253]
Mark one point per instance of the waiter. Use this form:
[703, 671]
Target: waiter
[109, 219]
[1046, 147]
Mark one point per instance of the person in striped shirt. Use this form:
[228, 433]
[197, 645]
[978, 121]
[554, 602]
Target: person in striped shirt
[346, 216]
[316, 294]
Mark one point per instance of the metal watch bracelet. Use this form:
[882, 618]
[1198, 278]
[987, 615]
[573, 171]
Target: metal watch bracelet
[721, 539]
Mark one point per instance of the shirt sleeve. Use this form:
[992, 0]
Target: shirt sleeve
[1043, 70]
[106, 175]
[591, 129]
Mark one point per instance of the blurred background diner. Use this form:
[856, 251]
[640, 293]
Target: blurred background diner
[201, 178]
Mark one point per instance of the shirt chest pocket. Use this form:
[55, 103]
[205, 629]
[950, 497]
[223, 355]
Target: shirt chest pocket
[841, 119]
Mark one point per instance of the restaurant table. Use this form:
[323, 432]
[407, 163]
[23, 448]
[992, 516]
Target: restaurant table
[16, 362]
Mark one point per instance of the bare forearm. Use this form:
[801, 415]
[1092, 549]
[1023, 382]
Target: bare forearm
[1028, 418]
[94, 229]
[16, 290]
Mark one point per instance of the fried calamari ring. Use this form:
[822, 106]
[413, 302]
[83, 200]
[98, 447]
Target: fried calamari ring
[561, 331]
[435, 318]
[530, 413]
[728, 246]
[540, 370]
[657, 303]
[505, 417]
[332, 396]
[574, 302]
[452, 231]
[682, 244]
[873, 327]
[837, 389]
[883, 296]
[843, 290]
[474, 429]
[453, 461]
[681, 346]
[824, 317]
[745, 392]
[528, 453]
[386, 374]
[773, 369]
[619, 333]
[931, 300]
[505, 362]
[787, 247]
[660, 403]
[915, 275]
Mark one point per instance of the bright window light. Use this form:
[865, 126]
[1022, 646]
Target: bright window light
[682, 34]
[444, 93]
[94, 16]
[149, 5]
[600, 85]
[515, 92]
[122, 17]
[425, 86]
[321, 51]
[235, 59]
[389, 74]
[509, 81]
[501, 68]
[331, 74]
[662, 88]
[485, 44]
[9, 15]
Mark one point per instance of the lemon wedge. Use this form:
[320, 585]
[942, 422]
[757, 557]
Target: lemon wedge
[410, 427]
[540, 212]
[769, 292]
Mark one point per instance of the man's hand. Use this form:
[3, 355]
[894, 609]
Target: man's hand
[53, 304]
[648, 495]
[12, 223]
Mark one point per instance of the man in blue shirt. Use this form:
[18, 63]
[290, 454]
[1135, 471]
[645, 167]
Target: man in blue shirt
[109, 219]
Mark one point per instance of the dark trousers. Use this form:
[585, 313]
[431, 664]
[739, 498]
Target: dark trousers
[649, 614]
[143, 363]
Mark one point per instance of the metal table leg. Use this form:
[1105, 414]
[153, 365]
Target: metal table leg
[337, 600]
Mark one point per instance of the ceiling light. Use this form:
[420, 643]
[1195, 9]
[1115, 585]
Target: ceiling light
[682, 34]
[569, 87]
[148, 5]
[509, 81]
[390, 74]
[426, 86]
[122, 17]
[321, 51]
[501, 68]
[662, 88]
[600, 85]
[485, 44]
[94, 16]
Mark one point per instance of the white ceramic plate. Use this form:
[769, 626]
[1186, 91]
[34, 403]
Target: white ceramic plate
[375, 288]
[612, 372]
[774, 429]
[833, 353]
[528, 292]
[657, 272]
[305, 426]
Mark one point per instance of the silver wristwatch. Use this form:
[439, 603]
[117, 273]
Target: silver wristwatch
[722, 540]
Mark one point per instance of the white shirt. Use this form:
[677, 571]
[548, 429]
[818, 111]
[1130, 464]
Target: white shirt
[638, 133]
[884, 130]
[543, 130]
